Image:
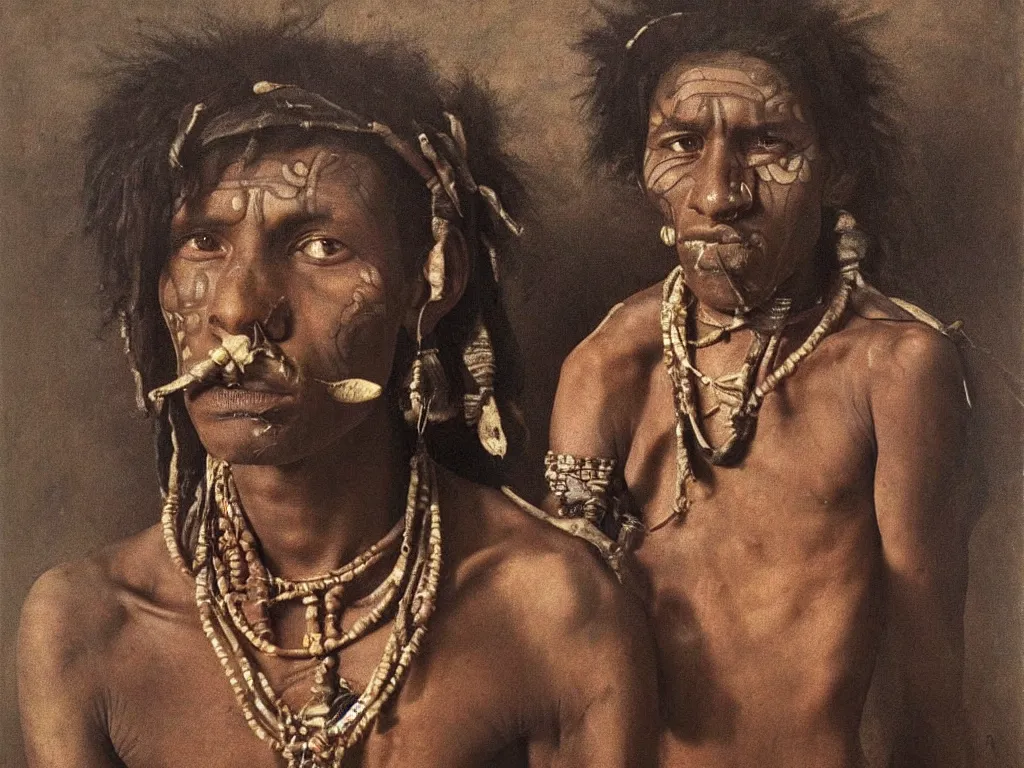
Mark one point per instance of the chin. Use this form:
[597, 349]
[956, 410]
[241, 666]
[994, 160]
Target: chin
[247, 440]
[718, 290]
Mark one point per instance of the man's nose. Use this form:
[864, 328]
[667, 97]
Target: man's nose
[249, 292]
[720, 192]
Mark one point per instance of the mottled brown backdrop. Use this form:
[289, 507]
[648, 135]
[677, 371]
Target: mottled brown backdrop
[72, 451]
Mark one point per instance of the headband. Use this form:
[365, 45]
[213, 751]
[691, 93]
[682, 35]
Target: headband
[288, 106]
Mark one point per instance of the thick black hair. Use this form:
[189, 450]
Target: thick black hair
[130, 188]
[823, 53]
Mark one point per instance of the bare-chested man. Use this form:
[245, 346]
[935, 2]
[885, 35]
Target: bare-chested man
[301, 243]
[788, 438]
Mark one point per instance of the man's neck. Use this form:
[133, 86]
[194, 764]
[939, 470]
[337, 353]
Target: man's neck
[319, 513]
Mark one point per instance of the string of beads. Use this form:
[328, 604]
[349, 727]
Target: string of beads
[234, 591]
[742, 399]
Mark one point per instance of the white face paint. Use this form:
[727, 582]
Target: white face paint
[732, 161]
[304, 245]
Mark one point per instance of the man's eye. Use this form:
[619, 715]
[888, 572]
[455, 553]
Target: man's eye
[687, 143]
[766, 142]
[201, 245]
[204, 242]
[322, 250]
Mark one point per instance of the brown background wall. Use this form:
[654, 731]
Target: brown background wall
[72, 452]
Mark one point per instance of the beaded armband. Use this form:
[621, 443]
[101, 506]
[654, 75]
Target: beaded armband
[581, 485]
[593, 489]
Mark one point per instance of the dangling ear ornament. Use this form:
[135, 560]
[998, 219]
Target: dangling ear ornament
[435, 268]
[427, 385]
[668, 235]
[489, 429]
[428, 391]
[481, 409]
[126, 337]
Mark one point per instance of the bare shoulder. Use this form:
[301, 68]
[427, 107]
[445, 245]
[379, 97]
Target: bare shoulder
[908, 370]
[896, 348]
[575, 657]
[603, 380]
[547, 584]
[623, 344]
[74, 612]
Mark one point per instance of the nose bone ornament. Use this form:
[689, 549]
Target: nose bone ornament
[235, 352]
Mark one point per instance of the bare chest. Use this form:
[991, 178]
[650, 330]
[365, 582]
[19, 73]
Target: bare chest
[794, 515]
[761, 596]
[171, 704]
[808, 461]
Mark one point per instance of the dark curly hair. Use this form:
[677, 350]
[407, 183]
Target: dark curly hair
[130, 190]
[812, 44]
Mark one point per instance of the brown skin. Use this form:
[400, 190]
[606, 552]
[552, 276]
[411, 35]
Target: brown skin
[533, 657]
[840, 526]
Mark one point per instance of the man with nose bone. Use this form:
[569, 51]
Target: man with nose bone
[303, 238]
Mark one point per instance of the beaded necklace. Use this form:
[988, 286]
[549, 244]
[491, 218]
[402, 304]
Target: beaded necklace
[740, 397]
[232, 582]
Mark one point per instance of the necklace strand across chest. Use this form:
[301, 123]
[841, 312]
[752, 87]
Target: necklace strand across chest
[235, 591]
[744, 395]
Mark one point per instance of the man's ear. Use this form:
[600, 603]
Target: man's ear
[456, 276]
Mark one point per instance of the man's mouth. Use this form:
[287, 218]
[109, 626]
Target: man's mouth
[723, 250]
[720, 234]
[251, 400]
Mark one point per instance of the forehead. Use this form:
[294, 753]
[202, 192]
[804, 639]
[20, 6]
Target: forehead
[319, 177]
[729, 77]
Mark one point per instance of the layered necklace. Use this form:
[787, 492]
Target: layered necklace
[235, 592]
[738, 394]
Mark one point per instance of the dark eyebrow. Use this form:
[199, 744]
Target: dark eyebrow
[185, 221]
[675, 124]
[287, 227]
[784, 128]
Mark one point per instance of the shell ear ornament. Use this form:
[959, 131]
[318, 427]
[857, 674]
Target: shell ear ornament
[428, 393]
[668, 235]
[481, 407]
[434, 269]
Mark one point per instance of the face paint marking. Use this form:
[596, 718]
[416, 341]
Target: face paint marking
[368, 303]
[175, 323]
[370, 276]
[716, 129]
[289, 183]
[295, 179]
[666, 175]
[322, 160]
[194, 294]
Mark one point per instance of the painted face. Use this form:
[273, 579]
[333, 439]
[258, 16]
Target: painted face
[301, 247]
[732, 161]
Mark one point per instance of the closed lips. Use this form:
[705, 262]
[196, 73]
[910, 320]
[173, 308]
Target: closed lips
[240, 400]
